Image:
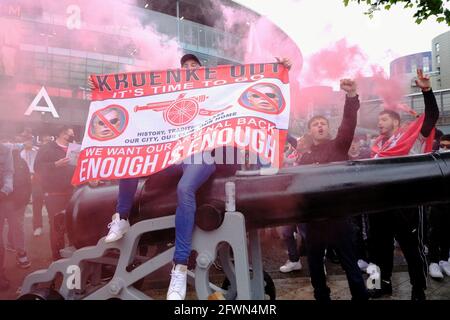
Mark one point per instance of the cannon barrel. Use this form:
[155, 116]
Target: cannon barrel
[295, 194]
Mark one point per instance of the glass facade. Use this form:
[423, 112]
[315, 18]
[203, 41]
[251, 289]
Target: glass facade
[409, 64]
[49, 49]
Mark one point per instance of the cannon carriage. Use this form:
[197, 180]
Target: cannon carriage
[263, 198]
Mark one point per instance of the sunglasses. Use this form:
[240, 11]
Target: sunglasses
[112, 121]
[444, 146]
[270, 95]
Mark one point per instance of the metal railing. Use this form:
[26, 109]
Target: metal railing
[414, 101]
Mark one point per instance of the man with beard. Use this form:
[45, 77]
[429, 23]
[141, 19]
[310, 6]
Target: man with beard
[405, 225]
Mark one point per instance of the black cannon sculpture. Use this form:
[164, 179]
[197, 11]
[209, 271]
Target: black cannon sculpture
[262, 199]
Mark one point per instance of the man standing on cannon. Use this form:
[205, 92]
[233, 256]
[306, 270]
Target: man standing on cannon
[405, 225]
[336, 232]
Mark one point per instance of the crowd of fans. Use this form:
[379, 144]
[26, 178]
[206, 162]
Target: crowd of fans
[39, 172]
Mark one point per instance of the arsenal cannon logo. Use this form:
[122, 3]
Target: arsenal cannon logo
[182, 110]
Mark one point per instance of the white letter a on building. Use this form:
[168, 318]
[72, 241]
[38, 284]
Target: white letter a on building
[35, 107]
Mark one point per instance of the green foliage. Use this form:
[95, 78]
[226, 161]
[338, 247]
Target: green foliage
[424, 9]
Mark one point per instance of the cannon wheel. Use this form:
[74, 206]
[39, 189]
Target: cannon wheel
[269, 286]
[182, 112]
[42, 294]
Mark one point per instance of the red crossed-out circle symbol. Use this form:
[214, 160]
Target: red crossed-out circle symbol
[263, 97]
[108, 123]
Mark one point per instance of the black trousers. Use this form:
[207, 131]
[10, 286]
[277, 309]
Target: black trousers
[5, 208]
[338, 234]
[359, 224]
[406, 226]
[37, 196]
[56, 205]
[439, 233]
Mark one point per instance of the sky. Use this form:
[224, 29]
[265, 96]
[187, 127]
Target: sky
[314, 25]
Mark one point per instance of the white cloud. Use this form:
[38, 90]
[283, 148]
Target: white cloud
[315, 24]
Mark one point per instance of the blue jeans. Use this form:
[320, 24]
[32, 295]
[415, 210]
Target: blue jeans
[194, 176]
[127, 190]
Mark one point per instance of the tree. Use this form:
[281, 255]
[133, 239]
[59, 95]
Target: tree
[424, 8]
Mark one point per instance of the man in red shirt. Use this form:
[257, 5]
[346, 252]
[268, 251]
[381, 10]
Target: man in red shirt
[406, 224]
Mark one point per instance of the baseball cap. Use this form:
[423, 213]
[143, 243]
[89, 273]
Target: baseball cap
[187, 57]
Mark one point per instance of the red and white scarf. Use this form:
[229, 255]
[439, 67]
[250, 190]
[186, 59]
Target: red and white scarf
[402, 142]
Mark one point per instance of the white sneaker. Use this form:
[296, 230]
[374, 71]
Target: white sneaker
[117, 228]
[435, 271]
[178, 280]
[291, 266]
[362, 265]
[37, 232]
[445, 267]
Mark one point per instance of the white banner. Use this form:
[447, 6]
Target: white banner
[141, 123]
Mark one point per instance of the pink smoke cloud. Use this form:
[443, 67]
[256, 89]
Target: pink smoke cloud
[121, 33]
[262, 42]
[333, 63]
[344, 60]
[104, 29]
[390, 90]
[10, 36]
